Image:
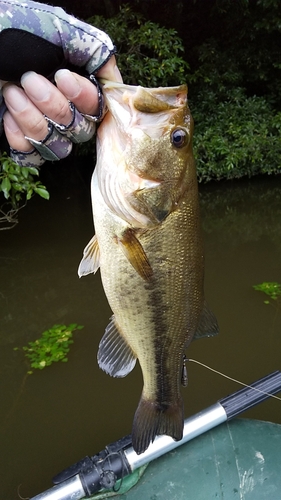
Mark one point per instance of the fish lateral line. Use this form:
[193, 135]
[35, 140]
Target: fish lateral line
[232, 379]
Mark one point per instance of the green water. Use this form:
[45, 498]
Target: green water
[54, 417]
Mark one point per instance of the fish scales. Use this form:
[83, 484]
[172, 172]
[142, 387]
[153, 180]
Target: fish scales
[147, 232]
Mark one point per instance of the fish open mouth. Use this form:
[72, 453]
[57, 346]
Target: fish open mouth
[132, 105]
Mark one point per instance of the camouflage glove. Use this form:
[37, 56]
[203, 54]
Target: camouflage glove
[38, 37]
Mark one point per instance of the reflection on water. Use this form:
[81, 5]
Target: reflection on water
[56, 416]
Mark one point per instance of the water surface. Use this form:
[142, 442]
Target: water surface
[54, 417]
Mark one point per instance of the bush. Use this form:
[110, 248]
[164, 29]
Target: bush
[17, 186]
[235, 137]
[148, 54]
[235, 134]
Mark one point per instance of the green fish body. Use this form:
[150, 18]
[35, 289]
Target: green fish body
[148, 247]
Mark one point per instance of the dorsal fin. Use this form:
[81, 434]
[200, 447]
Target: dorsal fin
[208, 325]
[91, 258]
[115, 356]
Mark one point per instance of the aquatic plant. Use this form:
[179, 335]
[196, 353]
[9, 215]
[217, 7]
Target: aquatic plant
[272, 289]
[52, 346]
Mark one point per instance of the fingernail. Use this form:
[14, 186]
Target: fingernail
[10, 123]
[15, 98]
[68, 83]
[35, 86]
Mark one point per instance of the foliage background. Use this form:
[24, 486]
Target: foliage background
[229, 54]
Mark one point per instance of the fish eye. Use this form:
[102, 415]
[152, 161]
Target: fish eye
[179, 137]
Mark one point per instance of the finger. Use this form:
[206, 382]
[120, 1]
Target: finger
[26, 115]
[33, 127]
[110, 71]
[80, 129]
[14, 135]
[21, 150]
[27, 151]
[55, 102]
[46, 97]
[78, 90]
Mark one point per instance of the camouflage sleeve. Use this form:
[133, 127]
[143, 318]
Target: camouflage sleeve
[81, 44]
[41, 38]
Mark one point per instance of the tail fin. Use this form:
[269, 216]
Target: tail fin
[152, 419]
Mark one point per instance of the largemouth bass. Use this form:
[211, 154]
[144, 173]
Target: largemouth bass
[148, 247]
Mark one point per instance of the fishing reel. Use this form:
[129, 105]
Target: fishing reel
[100, 471]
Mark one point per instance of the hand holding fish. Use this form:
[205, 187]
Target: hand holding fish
[42, 43]
[144, 193]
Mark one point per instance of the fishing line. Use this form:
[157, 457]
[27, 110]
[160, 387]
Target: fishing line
[233, 379]
[22, 498]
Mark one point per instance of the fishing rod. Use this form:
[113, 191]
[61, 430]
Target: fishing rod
[91, 474]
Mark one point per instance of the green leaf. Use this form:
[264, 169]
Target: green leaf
[29, 194]
[25, 172]
[6, 166]
[13, 177]
[33, 171]
[17, 186]
[6, 187]
[42, 192]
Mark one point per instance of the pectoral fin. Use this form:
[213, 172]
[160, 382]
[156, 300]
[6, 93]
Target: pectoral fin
[208, 325]
[91, 258]
[115, 356]
[133, 250]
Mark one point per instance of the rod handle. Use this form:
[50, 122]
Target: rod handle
[248, 397]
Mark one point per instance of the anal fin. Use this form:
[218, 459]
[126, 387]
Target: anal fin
[208, 325]
[91, 258]
[115, 356]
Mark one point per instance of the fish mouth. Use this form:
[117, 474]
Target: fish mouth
[143, 111]
[108, 84]
[142, 99]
